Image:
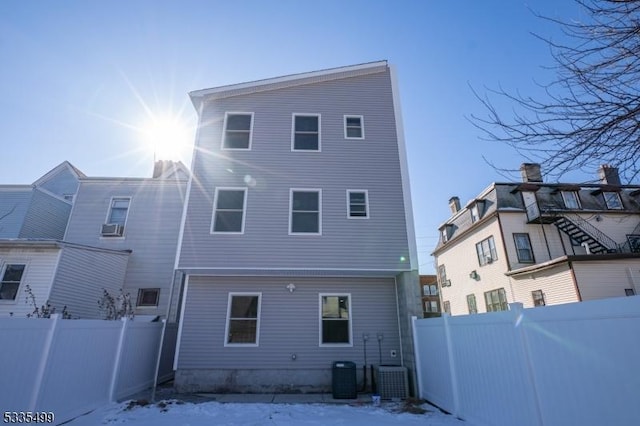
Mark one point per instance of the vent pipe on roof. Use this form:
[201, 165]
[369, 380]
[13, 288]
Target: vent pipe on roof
[454, 204]
[530, 172]
[608, 175]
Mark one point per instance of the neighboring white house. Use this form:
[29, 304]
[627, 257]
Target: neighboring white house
[69, 237]
[540, 244]
[297, 242]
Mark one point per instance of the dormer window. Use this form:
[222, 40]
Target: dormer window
[475, 216]
[445, 232]
[571, 200]
[612, 200]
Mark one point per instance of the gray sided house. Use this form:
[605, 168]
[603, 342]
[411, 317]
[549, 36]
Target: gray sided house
[297, 240]
[62, 273]
[140, 215]
[39, 210]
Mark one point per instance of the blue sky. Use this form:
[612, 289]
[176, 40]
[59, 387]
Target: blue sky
[80, 79]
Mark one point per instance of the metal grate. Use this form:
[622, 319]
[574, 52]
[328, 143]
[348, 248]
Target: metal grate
[392, 382]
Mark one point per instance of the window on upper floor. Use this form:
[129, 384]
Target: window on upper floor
[237, 130]
[475, 216]
[634, 242]
[306, 132]
[353, 127]
[243, 319]
[538, 298]
[486, 250]
[229, 210]
[446, 307]
[148, 297]
[358, 204]
[442, 276]
[571, 200]
[11, 278]
[523, 248]
[430, 290]
[612, 200]
[305, 211]
[116, 217]
[471, 304]
[496, 300]
[335, 319]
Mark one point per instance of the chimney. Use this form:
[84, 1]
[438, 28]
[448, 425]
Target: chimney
[160, 167]
[530, 172]
[609, 175]
[454, 204]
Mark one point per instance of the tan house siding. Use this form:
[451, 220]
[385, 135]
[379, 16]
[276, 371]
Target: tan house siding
[556, 284]
[598, 280]
[461, 261]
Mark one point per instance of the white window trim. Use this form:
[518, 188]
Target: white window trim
[244, 209]
[293, 131]
[366, 199]
[604, 195]
[329, 345]
[126, 219]
[228, 320]
[577, 197]
[361, 126]
[224, 131]
[319, 191]
[3, 267]
[147, 306]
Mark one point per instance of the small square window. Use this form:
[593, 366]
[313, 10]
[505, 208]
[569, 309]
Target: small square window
[237, 130]
[612, 200]
[353, 127]
[496, 300]
[335, 312]
[358, 203]
[634, 242]
[306, 132]
[629, 292]
[148, 297]
[11, 278]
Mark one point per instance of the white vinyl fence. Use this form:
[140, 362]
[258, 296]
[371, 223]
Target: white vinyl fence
[573, 364]
[70, 367]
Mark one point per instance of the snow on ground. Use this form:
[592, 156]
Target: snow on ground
[177, 413]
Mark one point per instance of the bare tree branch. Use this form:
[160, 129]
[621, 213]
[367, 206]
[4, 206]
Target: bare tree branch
[590, 114]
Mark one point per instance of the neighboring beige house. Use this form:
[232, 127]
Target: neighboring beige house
[540, 244]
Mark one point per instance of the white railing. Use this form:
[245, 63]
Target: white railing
[570, 364]
[70, 367]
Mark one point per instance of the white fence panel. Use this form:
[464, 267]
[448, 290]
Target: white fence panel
[70, 367]
[20, 356]
[563, 364]
[138, 358]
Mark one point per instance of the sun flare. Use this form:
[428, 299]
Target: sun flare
[167, 137]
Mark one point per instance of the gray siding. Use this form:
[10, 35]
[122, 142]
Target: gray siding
[63, 182]
[14, 203]
[289, 323]
[46, 218]
[372, 164]
[82, 275]
[151, 231]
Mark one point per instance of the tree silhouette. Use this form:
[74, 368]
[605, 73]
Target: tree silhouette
[590, 113]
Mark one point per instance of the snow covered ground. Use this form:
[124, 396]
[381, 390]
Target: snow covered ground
[177, 413]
